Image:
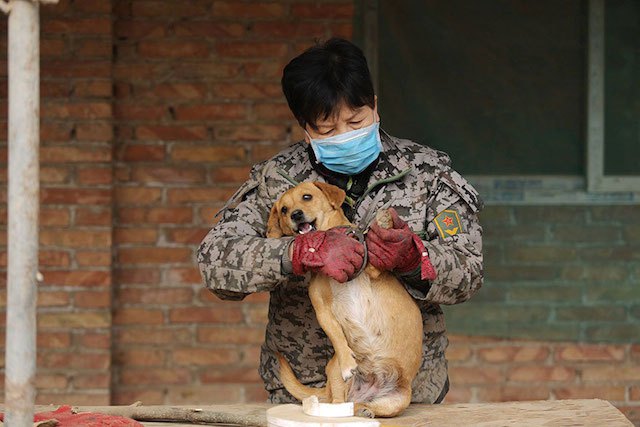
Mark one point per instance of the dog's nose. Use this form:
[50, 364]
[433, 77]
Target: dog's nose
[297, 215]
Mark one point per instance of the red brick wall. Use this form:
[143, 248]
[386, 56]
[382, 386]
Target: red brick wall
[197, 101]
[153, 112]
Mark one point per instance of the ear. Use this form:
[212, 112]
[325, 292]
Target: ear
[273, 224]
[334, 194]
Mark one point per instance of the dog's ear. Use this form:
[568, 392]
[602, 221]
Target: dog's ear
[334, 194]
[273, 224]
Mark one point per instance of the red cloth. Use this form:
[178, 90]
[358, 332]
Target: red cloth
[66, 418]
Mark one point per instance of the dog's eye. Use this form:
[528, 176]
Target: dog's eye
[307, 197]
[284, 210]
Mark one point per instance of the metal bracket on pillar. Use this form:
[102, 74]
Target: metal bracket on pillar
[5, 6]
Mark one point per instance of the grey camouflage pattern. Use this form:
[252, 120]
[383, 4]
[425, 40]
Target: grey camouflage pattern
[236, 259]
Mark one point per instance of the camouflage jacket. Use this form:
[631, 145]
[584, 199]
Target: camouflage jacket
[236, 258]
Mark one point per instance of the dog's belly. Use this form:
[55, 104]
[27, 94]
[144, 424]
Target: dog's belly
[362, 307]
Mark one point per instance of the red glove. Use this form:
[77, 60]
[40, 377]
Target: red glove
[398, 248]
[66, 418]
[330, 252]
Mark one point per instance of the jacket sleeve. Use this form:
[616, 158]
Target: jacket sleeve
[235, 258]
[456, 258]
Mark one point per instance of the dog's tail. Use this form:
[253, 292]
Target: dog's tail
[295, 387]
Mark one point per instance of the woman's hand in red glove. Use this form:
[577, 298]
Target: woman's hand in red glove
[333, 252]
[397, 248]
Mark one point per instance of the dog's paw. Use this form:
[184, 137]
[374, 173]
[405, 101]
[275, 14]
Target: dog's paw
[348, 368]
[365, 413]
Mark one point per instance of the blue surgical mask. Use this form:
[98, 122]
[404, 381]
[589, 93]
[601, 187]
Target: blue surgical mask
[351, 152]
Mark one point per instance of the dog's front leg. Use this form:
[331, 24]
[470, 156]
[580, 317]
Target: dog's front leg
[321, 299]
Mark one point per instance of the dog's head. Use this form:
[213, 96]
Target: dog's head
[306, 207]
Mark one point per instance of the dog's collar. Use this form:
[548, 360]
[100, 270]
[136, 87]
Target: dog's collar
[359, 236]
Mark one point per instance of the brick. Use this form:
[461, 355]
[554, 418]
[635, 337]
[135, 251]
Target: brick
[253, 10]
[513, 354]
[77, 26]
[541, 374]
[251, 50]
[142, 153]
[97, 340]
[161, 296]
[139, 357]
[230, 174]
[94, 176]
[570, 233]
[287, 30]
[189, 275]
[169, 9]
[610, 373]
[54, 258]
[85, 320]
[613, 294]
[204, 395]
[256, 314]
[100, 299]
[205, 315]
[94, 88]
[323, 11]
[89, 69]
[458, 394]
[255, 394]
[251, 133]
[135, 235]
[92, 381]
[93, 217]
[44, 381]
[230, 375]
[137, 275]
[154, 336]
[137, 316]
[211, 112]
[590, 392]
[75, 238]
[153, 255]
[168, 175]
[101, 398]
[94, 131]
[67, 154]
[169, 215]
[181, 91]
[95, 48]
[53, 339]
[202, 195]
[264, 69]
[529, 294]
[137, 195]
[210, 29]
[51, 175]
[550, 215]
[149, 397]
[272, 111]
[620, 214]
[471, 375]
[233, 335]
[154, 376]
[634, 393]
[206, 71]
[53, 299]
[510, 393]
[77, 277]
[209, 154]
[173, 49]
[139, 112]
[75, 196]
[87, 110]
[247, 90]
[186, 235]
[204, 356]
[171, 133]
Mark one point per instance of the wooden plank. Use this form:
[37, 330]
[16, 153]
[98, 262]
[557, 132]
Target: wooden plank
[584, 412]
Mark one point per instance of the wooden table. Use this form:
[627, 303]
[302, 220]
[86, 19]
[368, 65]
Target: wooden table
[586, 412]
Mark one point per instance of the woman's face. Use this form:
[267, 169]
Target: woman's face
[344, 120]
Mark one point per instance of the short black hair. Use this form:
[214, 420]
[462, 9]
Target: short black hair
[319, 79]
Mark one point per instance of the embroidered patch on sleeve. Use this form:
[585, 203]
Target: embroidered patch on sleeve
[448, 223]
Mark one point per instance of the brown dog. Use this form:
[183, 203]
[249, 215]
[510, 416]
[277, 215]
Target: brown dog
[374, 325]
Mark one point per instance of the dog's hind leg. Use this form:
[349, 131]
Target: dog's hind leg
[386, 406]
[335, 384]
[321, 299]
